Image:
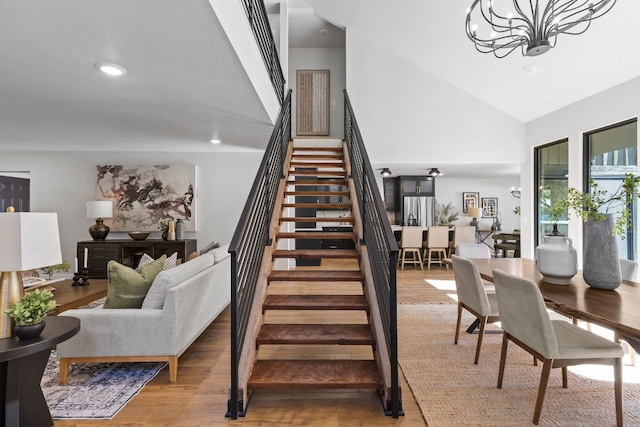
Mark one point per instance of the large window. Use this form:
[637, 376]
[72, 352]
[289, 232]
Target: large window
[610, 153]
[552, 169]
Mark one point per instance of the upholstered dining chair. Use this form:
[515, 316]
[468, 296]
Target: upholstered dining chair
[628, 270]
[437, 244]
[558, 344]
[472, 296]
[474, 251]
[462, 235]
[411, 243]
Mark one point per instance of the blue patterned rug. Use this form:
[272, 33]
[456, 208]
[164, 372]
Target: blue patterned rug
[94, 390]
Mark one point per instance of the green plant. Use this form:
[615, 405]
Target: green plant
[596, 204]
[164, 225]
[50, 269]
[516, 210]
[32, 307]
[445, 214]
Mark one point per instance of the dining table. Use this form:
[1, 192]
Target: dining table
[618, 309]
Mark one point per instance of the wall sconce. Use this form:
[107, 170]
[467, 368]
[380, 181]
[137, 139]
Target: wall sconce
[515, 193]
[434, 172]
[385, 172]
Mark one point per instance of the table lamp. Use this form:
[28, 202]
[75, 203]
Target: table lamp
[99, 209]
[29, 240]
[474, 213]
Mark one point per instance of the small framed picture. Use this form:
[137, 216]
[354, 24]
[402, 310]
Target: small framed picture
[489, 207]
[470, 200]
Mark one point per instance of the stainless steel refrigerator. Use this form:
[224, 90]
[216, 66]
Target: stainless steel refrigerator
[418, 210]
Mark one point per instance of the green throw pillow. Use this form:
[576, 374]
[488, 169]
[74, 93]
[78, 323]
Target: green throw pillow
[128, 287]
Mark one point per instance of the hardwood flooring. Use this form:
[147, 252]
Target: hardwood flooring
[199, 397]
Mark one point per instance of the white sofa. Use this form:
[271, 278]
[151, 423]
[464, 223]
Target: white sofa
[180, 304]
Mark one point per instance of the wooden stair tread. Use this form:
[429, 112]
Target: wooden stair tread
[315, 374]
[331, 149]
[321, 334]
[311, 235]
[318, 173]
[316, 253]
[309, 163]
[316, 193]
[316, 276]
[337, 156]
[315, 219]
[340, 206]
[315, 182]
[315, 302]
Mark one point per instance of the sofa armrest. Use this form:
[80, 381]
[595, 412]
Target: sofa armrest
[119, 332]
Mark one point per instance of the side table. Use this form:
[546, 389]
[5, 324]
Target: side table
[22, 363]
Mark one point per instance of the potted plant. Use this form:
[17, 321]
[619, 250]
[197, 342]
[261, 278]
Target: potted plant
[601, 263]
[29, 312]
[445, 214]
[164, 227]
[51, 269]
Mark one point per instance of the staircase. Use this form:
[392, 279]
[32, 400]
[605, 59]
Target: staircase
[316, 330]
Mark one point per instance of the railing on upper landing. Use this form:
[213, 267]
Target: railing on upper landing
[381, 244]
[257, 15]
[249, 241]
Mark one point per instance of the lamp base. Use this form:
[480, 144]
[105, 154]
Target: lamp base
[11, 291]
[474, 223]
[99, 231]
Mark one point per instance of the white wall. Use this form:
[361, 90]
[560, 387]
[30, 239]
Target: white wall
[606, 108]
[407, 115]
[63, 182]
[321, 59]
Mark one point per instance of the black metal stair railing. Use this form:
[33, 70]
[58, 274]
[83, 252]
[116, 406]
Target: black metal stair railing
[381, 244]
[249, 241]
[259, 22]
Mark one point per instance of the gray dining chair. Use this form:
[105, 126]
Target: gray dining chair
[628, 270]
[472, 296]
[558, 344]
[473, 250]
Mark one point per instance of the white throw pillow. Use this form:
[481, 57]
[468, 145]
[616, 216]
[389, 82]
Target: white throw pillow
[220, 253]
[170, 262]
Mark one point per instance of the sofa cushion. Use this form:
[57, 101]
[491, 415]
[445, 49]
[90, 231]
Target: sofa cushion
[127, 287]
[170, 262]
[173, 277]
[220, 253]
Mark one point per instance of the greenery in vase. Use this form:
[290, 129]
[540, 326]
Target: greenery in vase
[596, 204]
[445, 214]
[32, 307]
[164, 225]
[50, 269]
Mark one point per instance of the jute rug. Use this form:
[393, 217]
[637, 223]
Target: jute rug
[452, 391]
[94, 390]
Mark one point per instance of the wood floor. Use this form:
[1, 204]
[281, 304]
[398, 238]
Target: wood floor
[199, 398]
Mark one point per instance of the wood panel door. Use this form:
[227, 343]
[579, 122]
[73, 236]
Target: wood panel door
[14, 192]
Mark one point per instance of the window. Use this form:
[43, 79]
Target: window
[552, 169]
[610, 153]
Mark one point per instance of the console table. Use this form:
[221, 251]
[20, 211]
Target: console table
[129, 252]
[22, 363]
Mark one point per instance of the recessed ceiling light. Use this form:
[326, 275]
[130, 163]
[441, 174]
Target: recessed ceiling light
[530, 69]
[111, 68]
[215, 141]
[324, 32]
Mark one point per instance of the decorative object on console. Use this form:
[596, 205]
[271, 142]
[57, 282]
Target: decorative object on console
[470, 200]
[145, 195]
[29, 311]
[29, 240]
[475, 213]
[489, 207]
[138, 235]
[171, 231]
[179, 229]
[99, 209]
[532, 29]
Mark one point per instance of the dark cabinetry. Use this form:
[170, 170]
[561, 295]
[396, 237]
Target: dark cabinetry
[400, 186]
[128, 252]
[338, 243]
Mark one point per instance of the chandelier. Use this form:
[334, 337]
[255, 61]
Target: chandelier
[499, 28]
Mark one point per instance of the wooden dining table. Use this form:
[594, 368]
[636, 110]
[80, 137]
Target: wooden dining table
[618, 309]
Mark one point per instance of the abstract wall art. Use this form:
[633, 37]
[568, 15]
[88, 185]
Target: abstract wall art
[145, 195]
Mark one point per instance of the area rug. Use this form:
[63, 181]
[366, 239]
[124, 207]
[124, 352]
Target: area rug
[94, 390]
[451, 391]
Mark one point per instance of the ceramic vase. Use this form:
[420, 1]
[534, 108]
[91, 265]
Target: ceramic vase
[557, 259]
[26, 332]
[601, 263]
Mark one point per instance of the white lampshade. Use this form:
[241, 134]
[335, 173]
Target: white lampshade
[474, 212]
[29, 240]
[100, 209]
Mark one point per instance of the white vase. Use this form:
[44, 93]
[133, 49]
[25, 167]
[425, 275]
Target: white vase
[557, 259]
[601, 262]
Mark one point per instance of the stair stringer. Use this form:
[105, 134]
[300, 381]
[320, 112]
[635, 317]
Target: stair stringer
[249, 353]
[381, 353]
